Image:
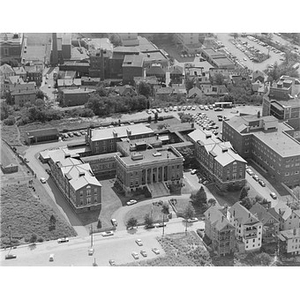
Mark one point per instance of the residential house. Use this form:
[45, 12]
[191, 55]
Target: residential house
[21, 72]
[260, 76]
[34, 73]
[176, 74]
[76, 96]
[158, 71]
[6, 71]
[219, 230]
[23, 93]
[195, 92]
[269, 222]
[288, 218]
[213, 90]
[248, 229]
[258, 88]
[289, 241]
[69, 83]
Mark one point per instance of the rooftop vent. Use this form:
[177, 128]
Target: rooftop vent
[136, 156]
[155, 154]
[81, 173]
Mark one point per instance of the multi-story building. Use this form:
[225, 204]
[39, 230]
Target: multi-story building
[218, 160]
[104, 140]
[219, 230]
[248, 229]
[129, 39]
[75, 96]
[269, 222]
[285, 88]
[288, 218]
[148, 164]
[268, 143]
[76, 181]
[6, 71]
[289, 241]
[132, 67]
[217, 58]
[23, 93]
[11, 47]
[281, 109]
[190, 42]
[20, 71]
[35, 74]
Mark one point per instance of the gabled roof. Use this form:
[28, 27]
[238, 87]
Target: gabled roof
[6, 69]
[282, 210]
[195, 91]
[217, 218]
[262, 213]
[155, 70]
[242, 214]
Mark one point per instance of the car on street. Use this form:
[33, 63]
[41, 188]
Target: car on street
[107, 233]
[192, 220]
[156, 251]
[48, 171]
[10, 256]
[218, 109]
[273, 195]
[149, 226]
[139, 242]
[112, 262]
[70, 134]
[135, 255]
[159, 110]
[249, 171]
[43, 180]
[158, 225]
[114, 222]
[131, 202]
[63, 240]
[148, 111]
[194, 171]
[91, 251]
[51, 257]
[255, 177]
[143, 253]
[261, 182]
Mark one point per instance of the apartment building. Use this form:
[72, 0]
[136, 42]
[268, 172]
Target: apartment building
[219, 230]
[248, 229]
[290, 241]
[285, 88]
[75, 180]
[269, 143]
[104, 140]
[190, 42]
[132, 67]
[218, 160]
[76, 96]
[22, 93]
[145, 163]
[269, 222]
[11, 47]
[129, 39]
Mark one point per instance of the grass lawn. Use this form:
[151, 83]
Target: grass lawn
[10, 134]
[181, 250]
[140, 212]
[27, 215]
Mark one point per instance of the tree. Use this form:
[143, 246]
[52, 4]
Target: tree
[246, 202]
[52, 223]
[39, 102]
[33, 238]
[115, 40]
[149, 119]
[99, 224]
[156, 117]
[189, 84]
[132, 222]
[218, 79]
[144, 89]
[148, 220]
[187, 154]
[262, 259]
[165, 209]
[243, 193]
[39, 94]
[189, 213]
[212, 202]
[199, 199]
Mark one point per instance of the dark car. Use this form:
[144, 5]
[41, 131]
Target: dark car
[261, 182]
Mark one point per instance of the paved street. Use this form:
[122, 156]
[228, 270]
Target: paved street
[75, 252]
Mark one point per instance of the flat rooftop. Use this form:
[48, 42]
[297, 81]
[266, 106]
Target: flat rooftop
[120, 132]
[133, 61]
[150, 156]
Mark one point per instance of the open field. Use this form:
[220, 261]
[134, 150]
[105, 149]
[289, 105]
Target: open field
[181, 250]
[27, 215]
[10, 134]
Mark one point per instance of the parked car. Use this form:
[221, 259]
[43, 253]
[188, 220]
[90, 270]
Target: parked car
[10, 256]
[71, 134]
[63, 240]
[194, 171]
[192, 220]
[107, 233]
[160, 225]
[91, 251]
[131, 202]
[149, 226]
[156, 251]
[135, 255]
[273, 195]
[139, 242]
[51, 257]
[255, 177]
[43, 180]
[143, 253]
[249, 171]
[112, 262]
[261, 182]
[114, 222]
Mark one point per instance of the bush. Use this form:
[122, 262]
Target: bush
[9, 121]
[40, 239]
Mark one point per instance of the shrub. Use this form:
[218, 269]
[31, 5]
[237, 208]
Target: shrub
[40, 239]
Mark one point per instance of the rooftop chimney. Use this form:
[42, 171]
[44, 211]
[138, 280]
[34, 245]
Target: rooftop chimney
[54, 50]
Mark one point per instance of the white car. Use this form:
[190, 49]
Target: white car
[139, 242]
[63, 240]
[193, 172]
[131, 202]
[107, 233]
[273, 195]
[192, 220]
[43, 180]
[91, 251]
[135, 255]
[155, 250]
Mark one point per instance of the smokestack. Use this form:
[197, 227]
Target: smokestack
[102, 64]
[54, 50]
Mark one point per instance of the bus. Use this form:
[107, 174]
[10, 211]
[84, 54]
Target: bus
[223, 104]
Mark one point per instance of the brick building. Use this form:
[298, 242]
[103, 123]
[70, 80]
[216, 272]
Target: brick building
[269, 143]
[76, 96]
[132, 67]
[218, 160]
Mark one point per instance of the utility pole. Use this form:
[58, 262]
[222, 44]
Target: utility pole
[9, 227]
[91, 236]
[163, 224]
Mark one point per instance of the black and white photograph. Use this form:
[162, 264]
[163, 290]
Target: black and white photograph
[129, 148]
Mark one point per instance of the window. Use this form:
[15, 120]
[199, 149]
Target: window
[253, 240]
